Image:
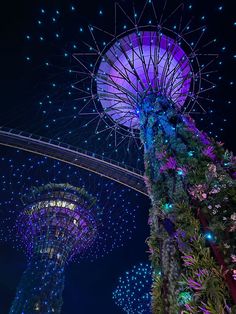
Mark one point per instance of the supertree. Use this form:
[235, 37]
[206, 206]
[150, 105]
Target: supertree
[146, 82]
[132, 293]
[59, 223]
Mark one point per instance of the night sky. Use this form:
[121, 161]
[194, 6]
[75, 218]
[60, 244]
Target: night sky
[36, 55]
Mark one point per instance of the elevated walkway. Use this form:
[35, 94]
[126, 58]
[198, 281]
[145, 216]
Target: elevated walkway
[103, 166]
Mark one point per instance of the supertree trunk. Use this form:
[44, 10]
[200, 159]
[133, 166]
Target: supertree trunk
[40, 289]
[188, 177]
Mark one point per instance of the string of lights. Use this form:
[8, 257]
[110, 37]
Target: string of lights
[132, 293]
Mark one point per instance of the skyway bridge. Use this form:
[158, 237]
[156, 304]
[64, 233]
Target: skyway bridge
[77, 157]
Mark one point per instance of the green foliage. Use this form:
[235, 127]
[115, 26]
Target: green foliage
[157, 298]
[206, 185]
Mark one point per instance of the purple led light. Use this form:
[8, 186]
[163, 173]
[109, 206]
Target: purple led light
[137, 65]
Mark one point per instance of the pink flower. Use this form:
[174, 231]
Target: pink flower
[233, 217]
[215, 191]
[198, 192]
[212, 170]
[233, 257]
[232, 228]
[234, 274]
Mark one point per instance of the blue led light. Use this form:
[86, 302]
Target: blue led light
[209, 236]
[132, 293]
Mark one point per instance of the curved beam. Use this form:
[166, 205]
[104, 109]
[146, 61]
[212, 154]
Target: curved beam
[110, 169]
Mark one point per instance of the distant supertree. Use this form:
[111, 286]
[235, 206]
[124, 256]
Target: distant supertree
[132, 293]
[59, 223]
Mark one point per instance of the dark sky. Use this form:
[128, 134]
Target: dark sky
[23, 84]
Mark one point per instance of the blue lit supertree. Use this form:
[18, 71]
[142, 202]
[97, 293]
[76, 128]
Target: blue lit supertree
[57, 223]
[132, 293]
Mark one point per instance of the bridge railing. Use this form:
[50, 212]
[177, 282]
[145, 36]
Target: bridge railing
[68, 146]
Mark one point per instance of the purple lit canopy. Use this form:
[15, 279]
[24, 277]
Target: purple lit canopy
[139, 64]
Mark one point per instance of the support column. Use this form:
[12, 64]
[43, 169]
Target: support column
[40, 289]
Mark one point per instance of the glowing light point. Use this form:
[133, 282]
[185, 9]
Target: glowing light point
[132, 293]
[209, 236]
[184, 298]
